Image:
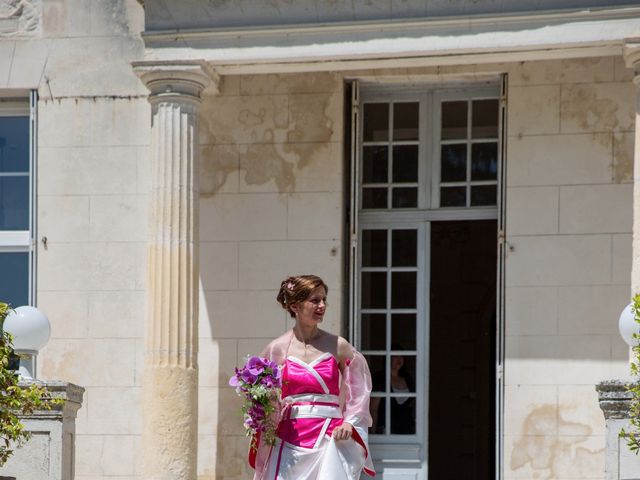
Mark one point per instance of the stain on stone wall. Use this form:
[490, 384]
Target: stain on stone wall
[261, 163]
[549, 445]
[221, 161]
[623, 157]
[596, 107]
[272, 136]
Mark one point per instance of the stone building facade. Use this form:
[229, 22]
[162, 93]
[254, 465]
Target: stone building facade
[190, 155]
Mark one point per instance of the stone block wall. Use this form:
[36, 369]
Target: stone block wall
[93, 136]
[271, 206]
[569, 220]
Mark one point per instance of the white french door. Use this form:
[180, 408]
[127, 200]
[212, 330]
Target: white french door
[420, 154]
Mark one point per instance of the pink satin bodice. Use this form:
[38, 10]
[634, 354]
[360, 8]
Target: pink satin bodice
[297, 380]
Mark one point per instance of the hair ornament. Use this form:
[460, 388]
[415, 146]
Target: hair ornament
[290, 286]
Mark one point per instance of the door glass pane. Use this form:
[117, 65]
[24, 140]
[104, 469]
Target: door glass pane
[378, 372]
[484, 115]
[454, 120]
[374, 248]
[374, 289]
[405, 121]
[453, 196]
[453, 163]
[483, 195]
[374, 331]
[374, 198]
[404, 248]
[375, 167]
[403, 290]
[405, 163]
[14, 203]
[403, 331]
[377, 406]
[14, 281]
[14, 144]
[484, 161]
[403, 415]
[376, 122]
[405, 197]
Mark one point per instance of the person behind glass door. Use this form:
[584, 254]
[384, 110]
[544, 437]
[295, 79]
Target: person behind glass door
[402, 408]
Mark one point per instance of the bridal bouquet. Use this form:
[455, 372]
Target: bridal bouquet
[258, 383]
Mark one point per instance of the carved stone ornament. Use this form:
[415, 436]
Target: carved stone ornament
[20, 17]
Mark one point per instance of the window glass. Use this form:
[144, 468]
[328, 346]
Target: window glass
[484, 161]
[374, 289]
[405, 198]
[14, 144]
[374, 248]
[14, 281]
[374, 331]
[453, 196]
[405, 163]
[404, 248]
[14, 203]
[375, 166]
[468, 157]
[484, 122]
[483, 195]
[376, 122]
[403, 290]
[405, 121]
[454, 120]
[374, 198]
[454, 163]
[403, 331]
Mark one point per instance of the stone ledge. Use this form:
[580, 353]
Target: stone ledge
[69, 392]
[614, 398]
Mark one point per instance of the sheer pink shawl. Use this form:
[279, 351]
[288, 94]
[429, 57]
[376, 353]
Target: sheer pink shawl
[355, 390]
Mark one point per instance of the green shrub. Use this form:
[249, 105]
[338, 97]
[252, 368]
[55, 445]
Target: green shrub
[15, 400]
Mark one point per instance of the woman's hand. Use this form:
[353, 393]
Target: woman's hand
[343, 432]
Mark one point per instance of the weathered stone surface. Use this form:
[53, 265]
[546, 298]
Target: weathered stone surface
[50, 453]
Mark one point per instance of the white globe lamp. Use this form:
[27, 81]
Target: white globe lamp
[31, 331]
[627, 326]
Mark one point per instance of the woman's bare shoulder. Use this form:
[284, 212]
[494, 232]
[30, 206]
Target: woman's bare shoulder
[345, 349]
[278, 346]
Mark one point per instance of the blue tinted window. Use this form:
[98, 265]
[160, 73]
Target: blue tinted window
[14, 278]
[14, 203]
[14, 144]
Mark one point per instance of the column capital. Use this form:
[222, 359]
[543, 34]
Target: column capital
[177, 81]
[631, 54]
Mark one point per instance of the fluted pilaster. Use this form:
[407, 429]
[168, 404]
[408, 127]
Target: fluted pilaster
[632, 59]
[170, 396]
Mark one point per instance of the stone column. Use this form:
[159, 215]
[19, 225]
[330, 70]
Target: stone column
[170, 383]
[632, 60]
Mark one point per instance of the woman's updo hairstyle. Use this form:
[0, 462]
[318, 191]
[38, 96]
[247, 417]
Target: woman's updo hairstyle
[297, 289]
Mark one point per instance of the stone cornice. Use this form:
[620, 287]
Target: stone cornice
[496, 22]
[401, 44]
[183, 80]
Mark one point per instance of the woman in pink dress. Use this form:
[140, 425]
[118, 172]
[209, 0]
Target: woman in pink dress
[324, 408]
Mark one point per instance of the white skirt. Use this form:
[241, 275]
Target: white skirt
[332, 460]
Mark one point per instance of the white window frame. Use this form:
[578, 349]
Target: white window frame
[467, 94]
[23, 241]
[411, 451]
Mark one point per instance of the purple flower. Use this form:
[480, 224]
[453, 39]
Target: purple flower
[256, 412]
[234, 381]
[255, 365]
[247, 376]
